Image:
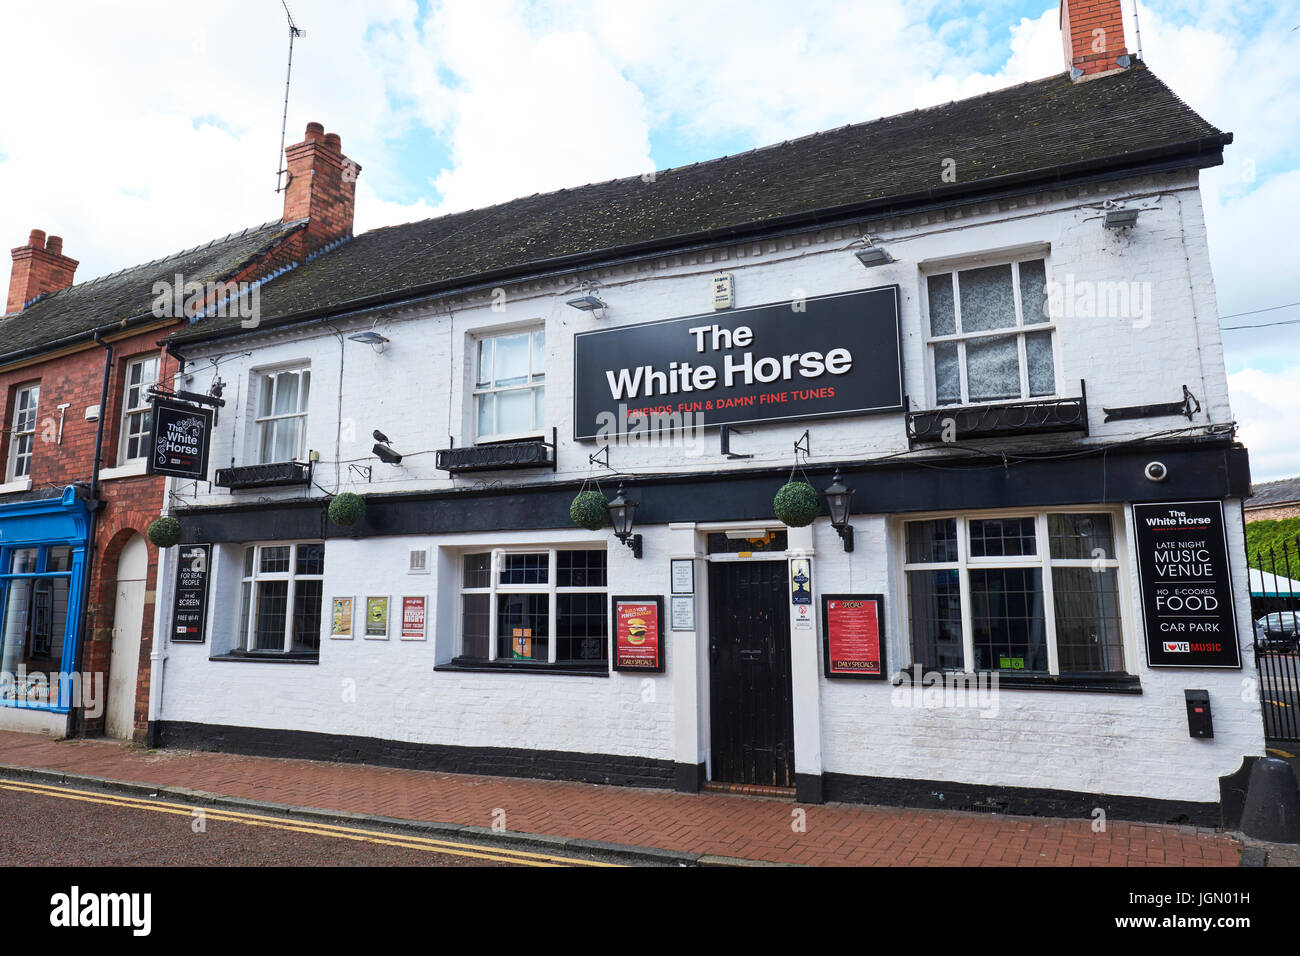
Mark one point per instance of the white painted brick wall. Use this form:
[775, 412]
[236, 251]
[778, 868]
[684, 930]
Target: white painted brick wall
[417, 392]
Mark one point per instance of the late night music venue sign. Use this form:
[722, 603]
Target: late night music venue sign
[808, 358]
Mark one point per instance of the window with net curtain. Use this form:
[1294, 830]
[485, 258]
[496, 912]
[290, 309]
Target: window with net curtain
[990, 333]
[1032, 587]
[282, 415]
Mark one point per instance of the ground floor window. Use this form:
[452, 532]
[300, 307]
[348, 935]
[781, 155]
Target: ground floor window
[281, 597]
[35, 585]
[1034, 593]
[540, 606]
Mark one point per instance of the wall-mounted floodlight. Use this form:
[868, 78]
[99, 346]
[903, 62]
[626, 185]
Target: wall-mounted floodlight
[1120, 218]
[371, 338]
[588, 303]
[873, 256]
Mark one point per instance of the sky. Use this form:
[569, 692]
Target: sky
[139, 128]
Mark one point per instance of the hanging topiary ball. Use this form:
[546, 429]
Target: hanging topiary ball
[164, 532]
[347, 509]
[796, 504]
[589, 510]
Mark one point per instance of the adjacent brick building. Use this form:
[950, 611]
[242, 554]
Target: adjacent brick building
[77, 577]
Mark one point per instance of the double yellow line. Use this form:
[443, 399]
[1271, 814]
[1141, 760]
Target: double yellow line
[450, 848]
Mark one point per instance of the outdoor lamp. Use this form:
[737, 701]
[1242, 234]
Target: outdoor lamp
[873, 256]
[1120, 218]
[839, 500]
[589, 303]
[620, 516]
[373, 339]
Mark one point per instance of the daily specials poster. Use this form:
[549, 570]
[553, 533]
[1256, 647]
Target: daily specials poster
[853, 635]
[1186, 588]
[637, 640]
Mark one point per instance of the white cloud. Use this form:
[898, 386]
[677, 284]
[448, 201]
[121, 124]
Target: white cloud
[1265, 405]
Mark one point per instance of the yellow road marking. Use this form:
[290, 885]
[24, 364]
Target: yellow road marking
[1279, 753]
[428, 844]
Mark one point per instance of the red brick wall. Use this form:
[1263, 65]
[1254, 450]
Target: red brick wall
[129, 503]
[1080, 21]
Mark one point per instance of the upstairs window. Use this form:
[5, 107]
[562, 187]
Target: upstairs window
[510, 385]
[137, 412]
[282, 415]
[990, 334]
[22, 436]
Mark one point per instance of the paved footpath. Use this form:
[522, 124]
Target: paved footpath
[729, 826]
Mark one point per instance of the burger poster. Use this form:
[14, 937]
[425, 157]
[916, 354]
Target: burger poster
[638, 637]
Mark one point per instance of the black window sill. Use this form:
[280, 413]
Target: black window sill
[518, 667]
[268, 657]
[1086, 683]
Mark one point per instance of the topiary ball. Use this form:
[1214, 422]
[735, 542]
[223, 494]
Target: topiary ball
[589, 510]
[164, 532]
[796, 504]
[347, 509]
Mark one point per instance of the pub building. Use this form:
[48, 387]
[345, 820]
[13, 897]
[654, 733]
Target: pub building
[504, 491]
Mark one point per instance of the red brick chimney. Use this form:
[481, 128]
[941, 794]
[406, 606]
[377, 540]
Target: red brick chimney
[1092, 32]
[322, 187]
[39, 267]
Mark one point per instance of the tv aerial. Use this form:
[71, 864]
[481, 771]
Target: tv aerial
[294, 32]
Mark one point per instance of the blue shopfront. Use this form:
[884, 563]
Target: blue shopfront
[42, 597]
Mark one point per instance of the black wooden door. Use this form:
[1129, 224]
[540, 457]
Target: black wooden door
[751, 709]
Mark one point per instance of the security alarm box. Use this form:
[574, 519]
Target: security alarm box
[1200, 722]
[724, 291]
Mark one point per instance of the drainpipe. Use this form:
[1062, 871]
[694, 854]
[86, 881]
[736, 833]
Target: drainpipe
[76, 716]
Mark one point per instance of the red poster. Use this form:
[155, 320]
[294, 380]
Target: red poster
[636, 634]
[854, 636]
[413, 618]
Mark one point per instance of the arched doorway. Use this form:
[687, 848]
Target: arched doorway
[124, 655]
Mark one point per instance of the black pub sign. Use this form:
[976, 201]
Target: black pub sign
[1187, 599]
[179, 444]
[190, 605]
[806, 358]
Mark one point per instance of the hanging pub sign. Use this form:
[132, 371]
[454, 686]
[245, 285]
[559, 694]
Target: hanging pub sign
[853, 636]
[190, 603]
[638, 634]
[1187, 599]
[807, 358]
[179, 443]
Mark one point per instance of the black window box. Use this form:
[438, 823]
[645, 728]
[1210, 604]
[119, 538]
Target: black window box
[269, 657]
[1012, 420]
[498, 456]
[598, 669]
[265, 476]
[1095, 683]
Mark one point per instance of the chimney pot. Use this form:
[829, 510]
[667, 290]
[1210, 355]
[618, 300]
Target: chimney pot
[54, 245]
[37, 239]
[315, 132]
[334, 142]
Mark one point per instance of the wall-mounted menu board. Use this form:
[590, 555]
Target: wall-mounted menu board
[853, 636]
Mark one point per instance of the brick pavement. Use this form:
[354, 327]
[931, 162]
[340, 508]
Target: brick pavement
[747, 827]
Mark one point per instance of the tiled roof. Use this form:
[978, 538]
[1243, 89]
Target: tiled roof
[1032, 134]
[127, 294]
[1270, 493]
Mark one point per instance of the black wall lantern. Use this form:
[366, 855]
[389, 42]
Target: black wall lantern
[621, 513]
[840, 502]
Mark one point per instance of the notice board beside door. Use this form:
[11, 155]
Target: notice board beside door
[853, 636]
